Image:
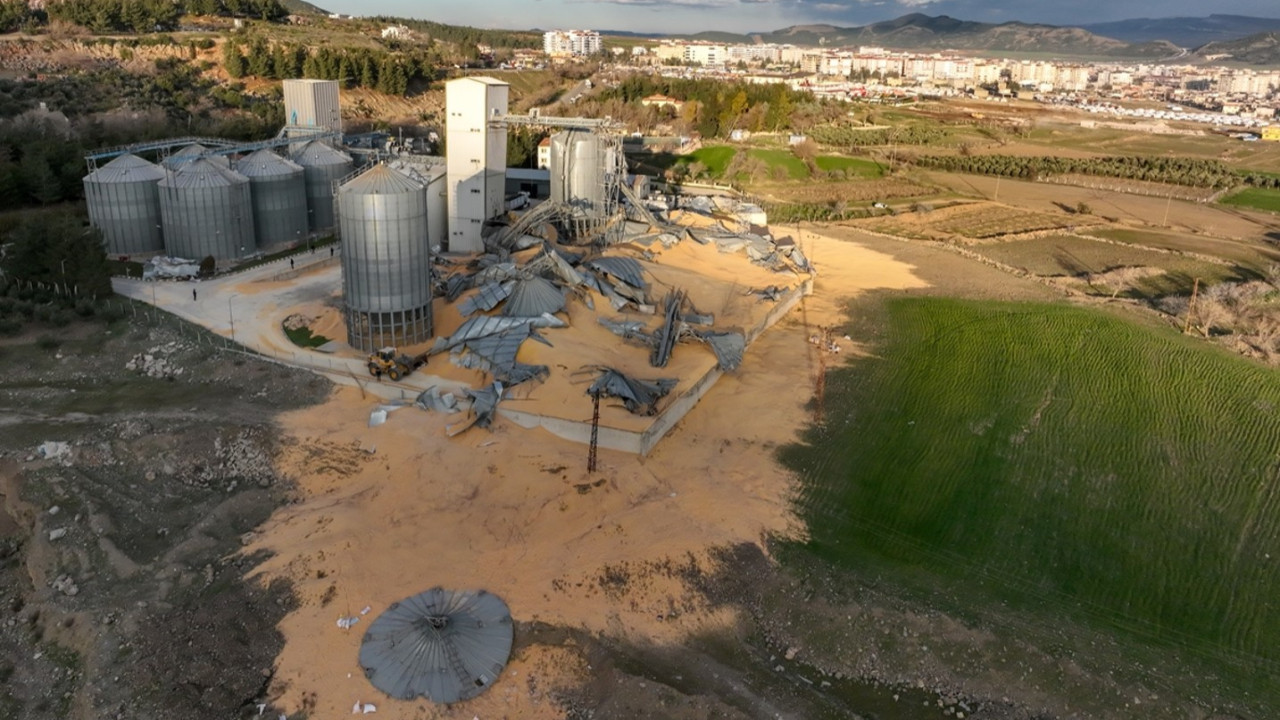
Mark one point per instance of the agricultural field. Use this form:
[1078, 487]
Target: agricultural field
[793, 166]
[1255, 256]
[1107, 268]
[977, 221]
[1062, 462]
[850, 166]
[1257, 198]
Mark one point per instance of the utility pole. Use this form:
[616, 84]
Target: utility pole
[595, 432]
[1191, 306]
[1168, 203]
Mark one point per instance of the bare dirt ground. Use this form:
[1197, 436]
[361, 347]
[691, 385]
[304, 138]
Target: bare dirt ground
[121, 582]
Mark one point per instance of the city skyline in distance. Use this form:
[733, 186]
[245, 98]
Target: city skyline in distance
[693, 16]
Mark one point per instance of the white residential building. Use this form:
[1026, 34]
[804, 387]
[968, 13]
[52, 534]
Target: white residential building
[571, 43]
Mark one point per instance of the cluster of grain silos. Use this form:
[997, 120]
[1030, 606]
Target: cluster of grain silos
[386, 258]
[195, 204]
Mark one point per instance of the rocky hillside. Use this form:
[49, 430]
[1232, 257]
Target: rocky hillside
[1260, 49]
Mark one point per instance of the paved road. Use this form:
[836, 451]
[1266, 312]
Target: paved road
[248, 307]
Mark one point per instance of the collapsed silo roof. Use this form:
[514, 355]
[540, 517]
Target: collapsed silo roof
[444, 645]
[381, 180]
[126, 168]
[264, 163]
[179, 158]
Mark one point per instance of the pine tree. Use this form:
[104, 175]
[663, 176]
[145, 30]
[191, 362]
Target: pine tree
[232, 61]
[259, 58]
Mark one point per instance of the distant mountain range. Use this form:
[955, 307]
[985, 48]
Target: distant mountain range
[919, 31]
[1188, 32]
[1259, 49]
[1140, 38]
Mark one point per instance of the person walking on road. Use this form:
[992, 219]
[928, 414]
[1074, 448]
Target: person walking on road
[290, 263]
[193, 294]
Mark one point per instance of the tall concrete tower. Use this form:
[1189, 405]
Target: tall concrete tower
[476, 150]
[312, 103]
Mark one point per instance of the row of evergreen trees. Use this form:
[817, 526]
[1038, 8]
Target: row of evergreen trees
[379, 70]
[143, 16]
[1194, 172]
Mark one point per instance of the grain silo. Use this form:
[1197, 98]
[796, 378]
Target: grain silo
[124, 203]
[206, 211]
[386, 259]
[586, 169]
[279, 195]
[322, 166]
[194, 150]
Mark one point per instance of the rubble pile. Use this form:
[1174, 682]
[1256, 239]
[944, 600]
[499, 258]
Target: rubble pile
[157, 362]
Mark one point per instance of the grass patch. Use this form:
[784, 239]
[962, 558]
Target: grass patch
[795, 167]
[1063, 461]
[850, 166]
[716, 158]
[1257, 198]
[303, 338]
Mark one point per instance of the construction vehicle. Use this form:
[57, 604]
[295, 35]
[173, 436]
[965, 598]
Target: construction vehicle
[387, 362]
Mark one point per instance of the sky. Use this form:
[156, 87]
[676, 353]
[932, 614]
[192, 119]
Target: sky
[688, 16]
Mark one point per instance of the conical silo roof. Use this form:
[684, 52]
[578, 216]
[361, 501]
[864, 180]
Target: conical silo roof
[445, 645]
[381, 180]
[126, 168]
[202, 172]
[179, 158]
[264, 163]
[316, 153]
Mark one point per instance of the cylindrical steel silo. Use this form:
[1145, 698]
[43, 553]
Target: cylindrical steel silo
[322, 167]
[386, 259]
[577, 171]
[124, 203]
[279, 195]
[184, 156]
[206, 210]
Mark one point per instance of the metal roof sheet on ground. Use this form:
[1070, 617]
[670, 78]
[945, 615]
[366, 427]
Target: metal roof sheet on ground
[639, 396]
[202, 172]
[533, 297]
[126, 168]
[484, 325]
[728, 347]
[264, 163]
[626, 269]
[487, 298]
[444, 645]
[316, 153]
[381, 180]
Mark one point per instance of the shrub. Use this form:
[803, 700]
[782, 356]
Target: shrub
[10, 326]
[48, 342]
[84, 308]
[61, 318]
[208, 266]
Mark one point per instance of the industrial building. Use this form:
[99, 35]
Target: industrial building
[392, 209]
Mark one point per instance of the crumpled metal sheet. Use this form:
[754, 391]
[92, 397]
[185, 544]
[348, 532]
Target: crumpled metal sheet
[455, 285]
[497, 354]
[728, 346]
[487, 298]
[626, 269]
[554, 264]
[533, 297]
[639, 396]
[664, 339]
[627, 329]
[483, 325]
[484, 403]
[495, 273]
[444, 645]
[433, 399]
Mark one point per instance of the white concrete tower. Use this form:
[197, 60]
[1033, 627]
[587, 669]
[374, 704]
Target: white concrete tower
[312, 103]
[476, 151]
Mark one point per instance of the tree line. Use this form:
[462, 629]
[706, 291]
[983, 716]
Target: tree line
[464, 36]
[380, 70]
[846, 136]
[143, 16]
[1194, 172]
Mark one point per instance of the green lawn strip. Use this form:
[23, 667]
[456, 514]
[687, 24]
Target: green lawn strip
[1062, 460]
[1257, 198]
[851, 166]
[794, 166]
[303, 338]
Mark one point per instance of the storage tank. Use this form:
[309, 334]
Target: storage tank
[279, 195]
[386, 259]
[206, 210]
[124, 203]
[322, 166]
[183, 156]
[578, 171]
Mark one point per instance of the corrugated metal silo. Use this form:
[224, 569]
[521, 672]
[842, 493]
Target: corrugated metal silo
[322, 166]
[124, 203]
[386, 259]
[206, 210]
[279, 195]
[183, 156]
[577, 171]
